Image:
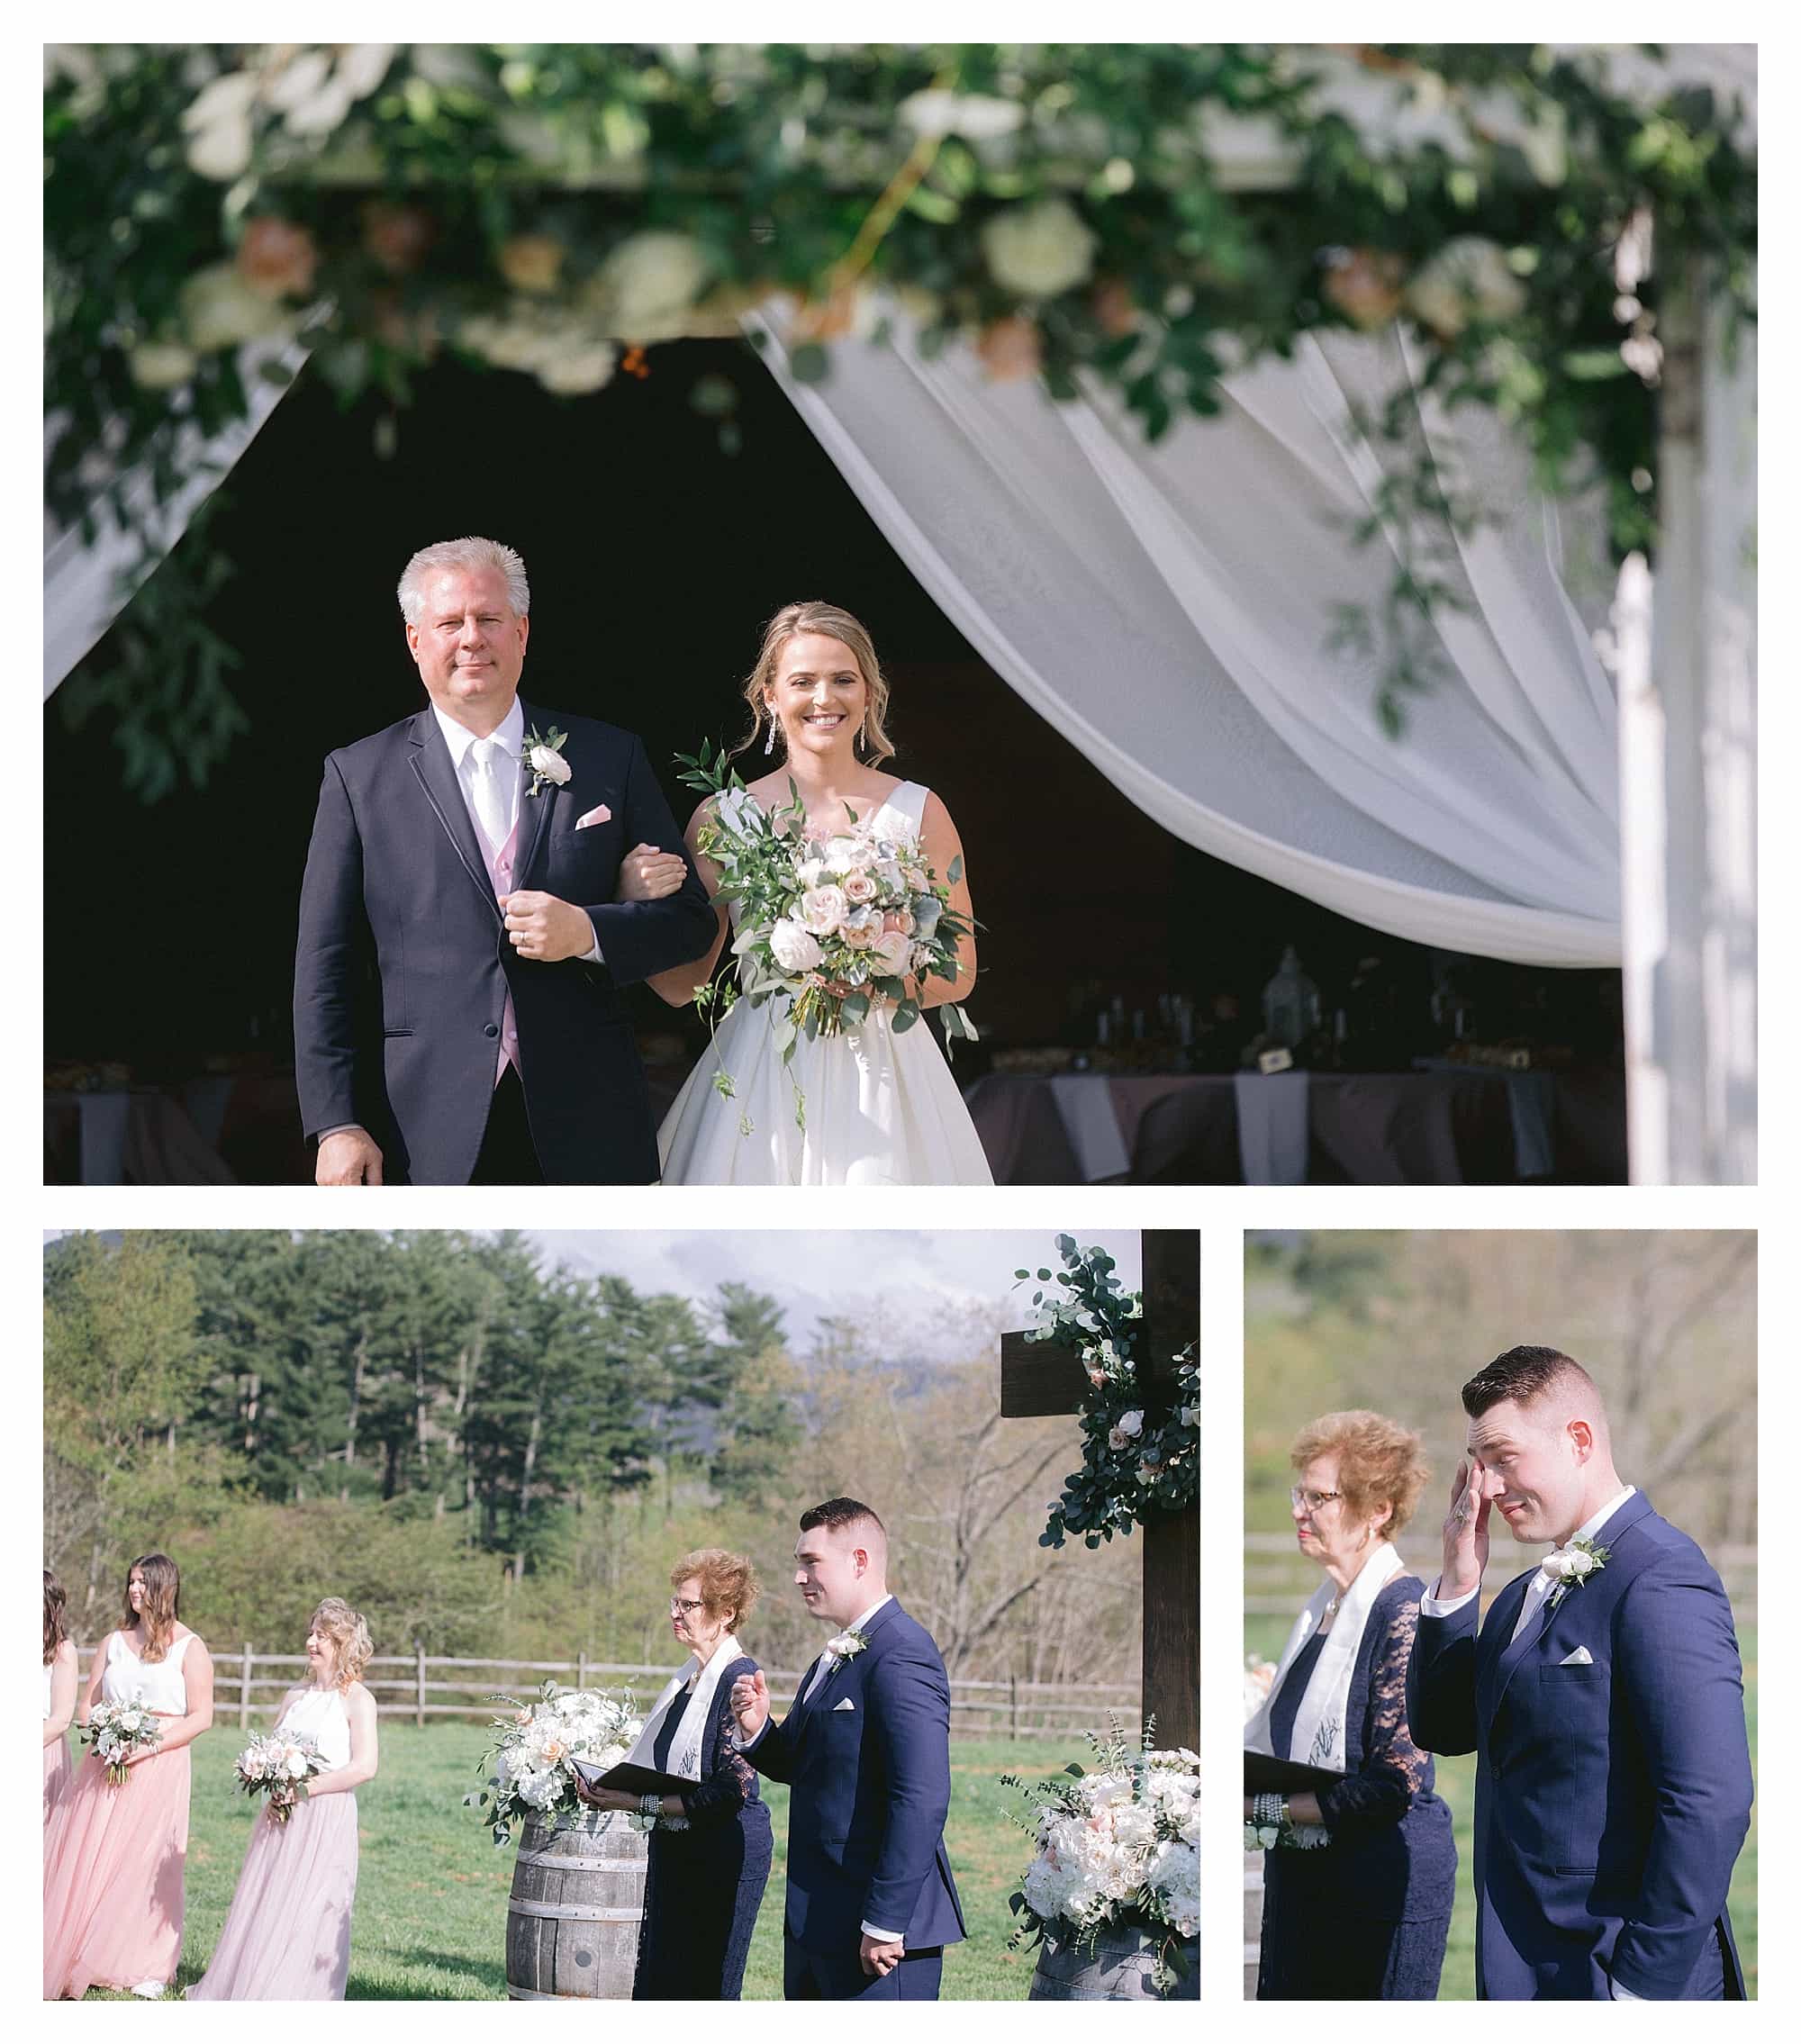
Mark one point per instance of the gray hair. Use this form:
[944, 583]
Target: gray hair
[471, 553]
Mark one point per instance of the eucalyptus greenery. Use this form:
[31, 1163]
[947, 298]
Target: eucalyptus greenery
[1133, 1460]
[1079, 213]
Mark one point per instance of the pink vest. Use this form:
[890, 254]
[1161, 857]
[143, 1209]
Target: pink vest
[500, 871]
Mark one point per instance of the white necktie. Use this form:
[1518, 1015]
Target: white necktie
[1536, 1591]
[828, 1661]
[491, 804]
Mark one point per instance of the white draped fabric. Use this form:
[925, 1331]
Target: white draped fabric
[1169, 608]
[83, 593]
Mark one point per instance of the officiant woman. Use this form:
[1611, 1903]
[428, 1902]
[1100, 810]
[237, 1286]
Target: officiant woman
[1357, 1891]
[711, 1847]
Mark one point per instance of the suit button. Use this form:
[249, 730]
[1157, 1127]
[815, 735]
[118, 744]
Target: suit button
[491, 1028]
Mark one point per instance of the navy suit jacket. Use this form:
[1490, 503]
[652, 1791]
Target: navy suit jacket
[1611, 1798]
[403, 966]
[871, 1788]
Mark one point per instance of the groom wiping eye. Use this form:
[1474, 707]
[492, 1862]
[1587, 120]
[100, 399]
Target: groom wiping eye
[462, 940]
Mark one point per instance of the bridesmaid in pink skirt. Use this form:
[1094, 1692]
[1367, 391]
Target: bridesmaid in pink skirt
[60, 1680]
[287, 1936]
[112, 1876]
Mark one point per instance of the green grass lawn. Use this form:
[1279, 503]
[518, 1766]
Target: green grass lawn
[431, 1889]
[1457, 1785]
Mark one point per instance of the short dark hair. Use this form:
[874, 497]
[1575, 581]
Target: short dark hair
[1522, 1374]
[837, 1513]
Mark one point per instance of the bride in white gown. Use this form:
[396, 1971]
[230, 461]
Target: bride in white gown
[881, 1109]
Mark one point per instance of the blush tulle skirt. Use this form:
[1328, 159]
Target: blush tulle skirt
[287, 1934]
[113, 1873]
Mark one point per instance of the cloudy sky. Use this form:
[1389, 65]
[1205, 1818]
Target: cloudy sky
[924, 1278]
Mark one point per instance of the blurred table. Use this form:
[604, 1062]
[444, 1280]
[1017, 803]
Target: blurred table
[1453, 1127]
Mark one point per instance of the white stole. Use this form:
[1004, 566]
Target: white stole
[696, 1713]
[1317, 1738]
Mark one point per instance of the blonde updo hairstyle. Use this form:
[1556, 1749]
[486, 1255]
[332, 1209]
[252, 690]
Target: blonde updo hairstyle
[348, 1633]
[1379, 1463]
[728, 1586]
[789, 622]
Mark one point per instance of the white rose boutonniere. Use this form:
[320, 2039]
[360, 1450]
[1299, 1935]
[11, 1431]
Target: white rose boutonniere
[847, 1645]
[545, 761]
[1571, 1565]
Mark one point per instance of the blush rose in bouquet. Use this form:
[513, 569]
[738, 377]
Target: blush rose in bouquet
[276, 1764]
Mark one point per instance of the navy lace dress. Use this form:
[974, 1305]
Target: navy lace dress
[1364, 1918]
[704, 1882]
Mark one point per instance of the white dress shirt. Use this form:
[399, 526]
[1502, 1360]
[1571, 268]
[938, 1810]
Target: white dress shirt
[1536, 1591]
[828, 1662]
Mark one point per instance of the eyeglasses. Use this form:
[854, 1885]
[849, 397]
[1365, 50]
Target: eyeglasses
[684, 1605]
[1313, 1499]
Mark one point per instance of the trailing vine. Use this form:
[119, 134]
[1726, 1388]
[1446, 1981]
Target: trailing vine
[1133, 1462]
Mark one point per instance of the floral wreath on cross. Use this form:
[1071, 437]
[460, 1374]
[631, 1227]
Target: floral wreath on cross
[1129, 1467]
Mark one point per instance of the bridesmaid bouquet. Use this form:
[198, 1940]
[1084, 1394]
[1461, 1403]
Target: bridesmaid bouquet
[1120, 1845]
[535, 1748]
[828, 923]
[276, 1764]
[117, 1732]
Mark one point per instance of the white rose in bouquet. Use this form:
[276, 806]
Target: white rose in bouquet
[823, 909]
[859, 887]
[796, 949]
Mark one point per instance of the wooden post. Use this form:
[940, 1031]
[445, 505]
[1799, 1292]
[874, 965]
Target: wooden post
[244, 1691]
[419, 1705]
[1013, 1708]
[582, 1669]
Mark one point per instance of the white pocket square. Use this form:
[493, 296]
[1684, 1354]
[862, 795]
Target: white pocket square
[844, 1703]
[600, 813]
[1581, 1658]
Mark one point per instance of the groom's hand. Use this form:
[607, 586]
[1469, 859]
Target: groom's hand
[878, 1958]
[546, 928]
[348, 1156]
[750, 1704]
[1466, 1531]
[650, 874]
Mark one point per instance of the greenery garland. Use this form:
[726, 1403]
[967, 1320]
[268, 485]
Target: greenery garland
[1077, 211]
[1129, 1465]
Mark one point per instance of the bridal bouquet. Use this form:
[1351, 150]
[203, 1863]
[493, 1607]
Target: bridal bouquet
[276, 1764]
[534, 1748]
[1118, 1845]
[829, 923]
[117, 1732]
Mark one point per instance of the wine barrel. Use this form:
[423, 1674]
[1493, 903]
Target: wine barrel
[1115, 1967]
[576, 1905]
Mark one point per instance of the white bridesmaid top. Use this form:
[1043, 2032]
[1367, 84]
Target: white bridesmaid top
[319, 1714]
[160, 1685]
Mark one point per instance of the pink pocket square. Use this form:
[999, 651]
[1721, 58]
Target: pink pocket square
[600, 813]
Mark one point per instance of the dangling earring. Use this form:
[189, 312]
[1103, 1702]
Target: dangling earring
[769, 743]
[860, 744]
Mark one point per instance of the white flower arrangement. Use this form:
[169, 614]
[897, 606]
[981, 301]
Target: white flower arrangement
[1119, 1845]
[274, 1764]
[544, 758]
[847, 1645]
[535, 1748]
[116, 1733]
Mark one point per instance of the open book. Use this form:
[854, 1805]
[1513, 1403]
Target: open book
[631, 1779]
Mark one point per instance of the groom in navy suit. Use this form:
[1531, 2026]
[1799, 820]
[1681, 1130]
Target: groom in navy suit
[469, 915]
[1602, 1697]
[866, 1751]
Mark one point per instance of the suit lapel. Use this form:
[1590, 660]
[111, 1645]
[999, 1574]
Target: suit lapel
[437, 781]
[534, 811]
[1495, 1645]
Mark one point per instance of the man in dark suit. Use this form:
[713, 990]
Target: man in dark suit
[457, 1017]
[866, 1751]
[1602, 1697]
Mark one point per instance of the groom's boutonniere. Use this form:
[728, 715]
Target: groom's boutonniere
[1572, 1566]
[847, 1645]
[544, 758]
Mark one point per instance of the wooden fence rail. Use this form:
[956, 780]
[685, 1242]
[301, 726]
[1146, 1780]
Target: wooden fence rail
[1278, 1581]
[409, 1685]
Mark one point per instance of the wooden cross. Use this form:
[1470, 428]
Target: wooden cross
[1041, 1378]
